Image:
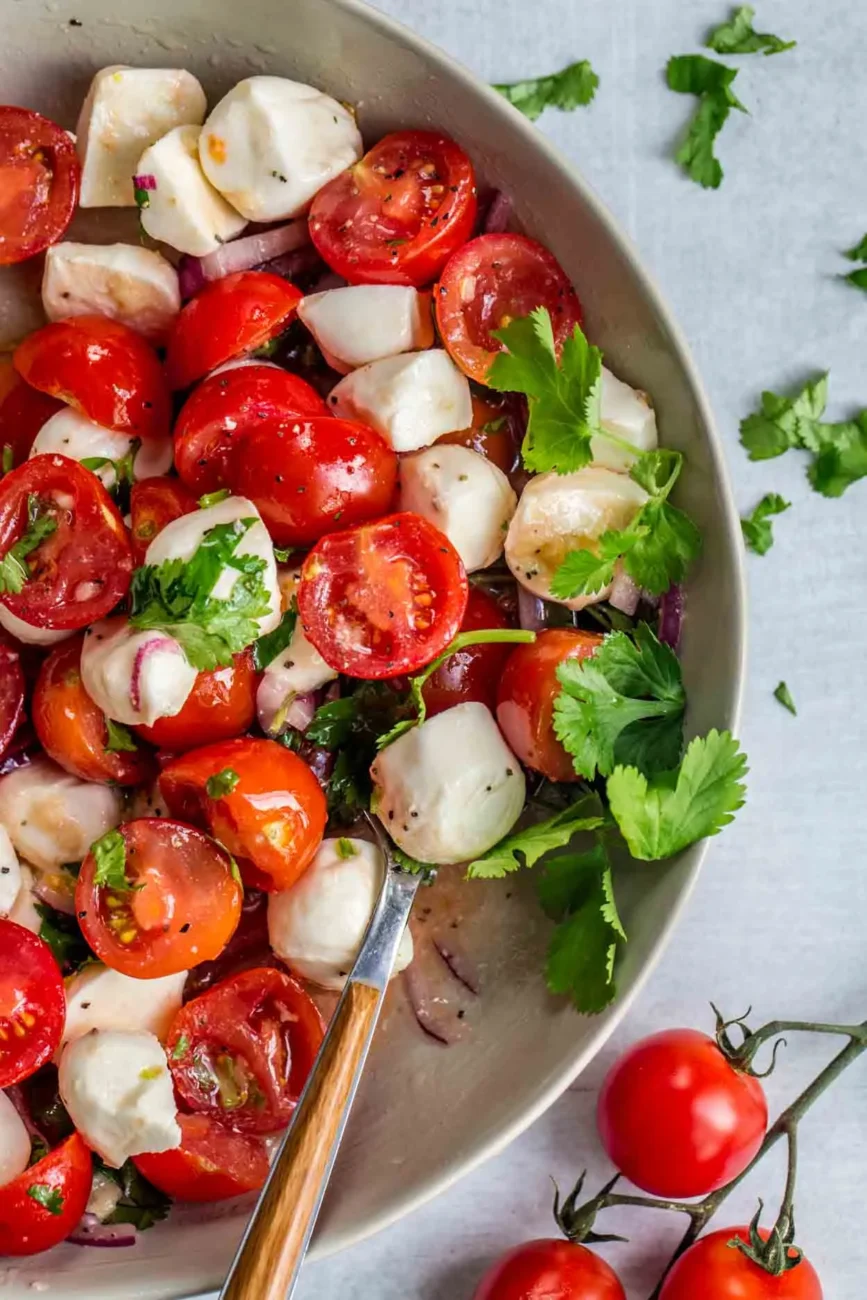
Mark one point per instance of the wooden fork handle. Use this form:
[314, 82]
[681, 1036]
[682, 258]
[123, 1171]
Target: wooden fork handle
[270, 1256]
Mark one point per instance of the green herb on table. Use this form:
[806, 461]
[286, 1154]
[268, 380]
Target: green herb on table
[738, 36]
[40, 524]
[757, 528]
[571, 88]
[784, 696]
[711, 82]
[858, 254]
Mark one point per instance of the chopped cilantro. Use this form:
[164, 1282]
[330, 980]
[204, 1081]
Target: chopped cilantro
[180, 1047]
[332, 723]
[412, 866]
[757, 528]
[13, 571]
[109, 853]
[120, 738]
[523, 848]
[784, 696]
[738, 36]
[64, 938]
[268, 647]
[7, 458]
[345, 849]
[859, 252]
[575, 85]
[141, 1203]
[151, 1072]
[577, 891]
[858, 278]
[221, 783]
[124, 471]
[48, 1197]
[693, 74]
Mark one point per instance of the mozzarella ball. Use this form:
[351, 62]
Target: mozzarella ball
[23, 911]
[135, 677]
[360, 323]
[184, 210]
[14, 1142]
[411, 400]
[126, 110]
[30, 634]
[626, 413]
[464, 495]
[101, 998]
[118, 1091]
[52, 817]
[448, 790]
[271, 144]
[317, 926]
[10, 873]
[73, 435]
[559, 513]
[136, 286]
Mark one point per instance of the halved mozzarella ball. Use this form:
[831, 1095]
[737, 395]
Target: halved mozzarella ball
[135, 676]
[126, 110]
[23, 910]
[464, 495]
[180, 540]
[118, 1091]
[10, 873]
[271, 144]
[14, 1142]
[51, 816]
[101, 998]
[559, 513]
[626, 413]
[28, 632]
[450, 789]
[136, 286]
[360, 323]
[317, 926]
[297, 671]
[411, 400]
[184, 210]
[73, 435]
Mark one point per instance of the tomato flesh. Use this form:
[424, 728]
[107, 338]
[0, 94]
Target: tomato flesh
[212, 1163]
[153, 503]
[473, 673]
[63, 1179]
[713, 1270]
[490, 434]
[221, 705]
[39, 182]
[23, 411]
[550, 1269]
[12, 693]
[32, 1003]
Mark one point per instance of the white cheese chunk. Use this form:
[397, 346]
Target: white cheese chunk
[185, 211]
[118, 1091]
[360, 323]
[559, 513]
[627, 414]
[464, 495]
[448, 790]
[271, 144]
[411, 400]
[317, 926]
[135, 676]
[298, 669]
[30, 634]
[24, 909]
[10, 873]
[14, 1142]
[126, 110]
[101, 998]
[51, 816]
[136, 286]
[73, 435]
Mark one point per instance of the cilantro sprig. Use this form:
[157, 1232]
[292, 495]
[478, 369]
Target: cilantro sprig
[577, 891]
[40, 524]
[858, 277]
[711, 82]
[525, 847]
[738, 36]
[574, 86]
[757, 527]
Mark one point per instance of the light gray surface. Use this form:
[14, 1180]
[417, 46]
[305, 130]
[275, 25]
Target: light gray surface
[778, 917]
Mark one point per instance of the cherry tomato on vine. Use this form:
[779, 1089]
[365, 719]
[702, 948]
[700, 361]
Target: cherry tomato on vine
[473, 673]
[23, 411]
[221, 705]
[39, 182]
[212, 1163]
[714, 1270]
[551, 1269]
[40, 1207]
[32, 1003]
[153, 503]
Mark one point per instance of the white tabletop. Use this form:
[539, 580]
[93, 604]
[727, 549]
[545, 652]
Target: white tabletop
[777, 920]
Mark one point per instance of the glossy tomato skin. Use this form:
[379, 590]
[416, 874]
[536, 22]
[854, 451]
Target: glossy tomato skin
[676, 1118]
[221, 705]
[383, 599]
[490, 281]
[32, 1003]
[212, 1163]
[397, 215]
[23, 411]
[311, 477]
[229, 317]
[550, 1269]
[713, 1270]
[474, 673]
[219, 414]
[490, 434]
[274, 816]
[153, 503]
[27, 1226]
[72, 729]
[241, 1052]
[13, 688]
[103, 369]
[39, 183]
[81, 570]
[185, 909]
[526, 694]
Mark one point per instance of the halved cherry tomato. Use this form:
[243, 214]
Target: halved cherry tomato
[39, 180]
[229, 317]
[396, 216]
[32, 1003]
[12, 692]
[153, 503]
[40, 1207]
[474, 673]
[493, 280]
[714, 1270]
[384, 598]
[551, 1269]
[242, 1052]
[222, 704]
[23, 411]
[103, 369]
[312, 477]
[526, 694]
[224, 409]
[211, 1164]
[182, 905]
[73, 730]
[80, 570]
[490, 434]
[273, 815]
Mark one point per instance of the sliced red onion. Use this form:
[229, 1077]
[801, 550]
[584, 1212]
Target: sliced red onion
[497, 217]
[191, 277]
[299, 715]
[142, 654]
[320, 761]
[146, 182]
[625, 595]
[22, 749]
[459, 963]
[277, 705]
[532, 610]
[242, 255]
[671, 616]
[436, 1023]
[90, 1232]
[62, 900]
[328, 280]
[304, 261]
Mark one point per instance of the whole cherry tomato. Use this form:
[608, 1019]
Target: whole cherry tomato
[23, 411]
[551, 1269]
[40, 1207]
[39, 181]
[153, 503]
[473, 673]
[221, 705]
[32, 1003]
[212, 1163]
[714, 1270]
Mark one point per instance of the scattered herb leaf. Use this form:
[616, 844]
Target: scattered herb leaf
[693, 74]
[577, 891]
[48, 1197]
[738, 36]
[221, 783]
[839, 449]
[757, 527]
[784, 695]
[568, 89]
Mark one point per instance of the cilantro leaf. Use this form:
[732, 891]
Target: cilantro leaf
[784, 696]
[859, 252]
[658, 818]
[268, 647]
[784, 422]
[738, 36]
[575, 85]
[353, 725]
[841, 459]
[666, 542]
[64, 938]
[858, 278]
[577, 890]
[757, 528]
[584, 572]
[141, 1203]
[109, 853]
[345, 849]
[693, 74]
[120, 738]
[40, 524]
[412, 866]
[48, 1197]
[332, 723]
[525, 847]
[213, 498]
[221, 783]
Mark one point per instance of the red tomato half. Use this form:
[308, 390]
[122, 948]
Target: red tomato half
[383, 599]
[39, 179]
[677, 1118]
[40, 1207]
[273, 815]
[713, 1270]
[396, 216]
[221, 705]
[23, 411]
[103, 369]
[474, 673]
[551, 1269]
[32, 1003]
[13, 688]
[490, 435]
[308, 478]
[153, 503]
[526, 694]
[185, 909]
[229, 317]
[224, 409]
[242, 1052]
[491, 281]
[72, 729]
[82, 569]
[211, 1164]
